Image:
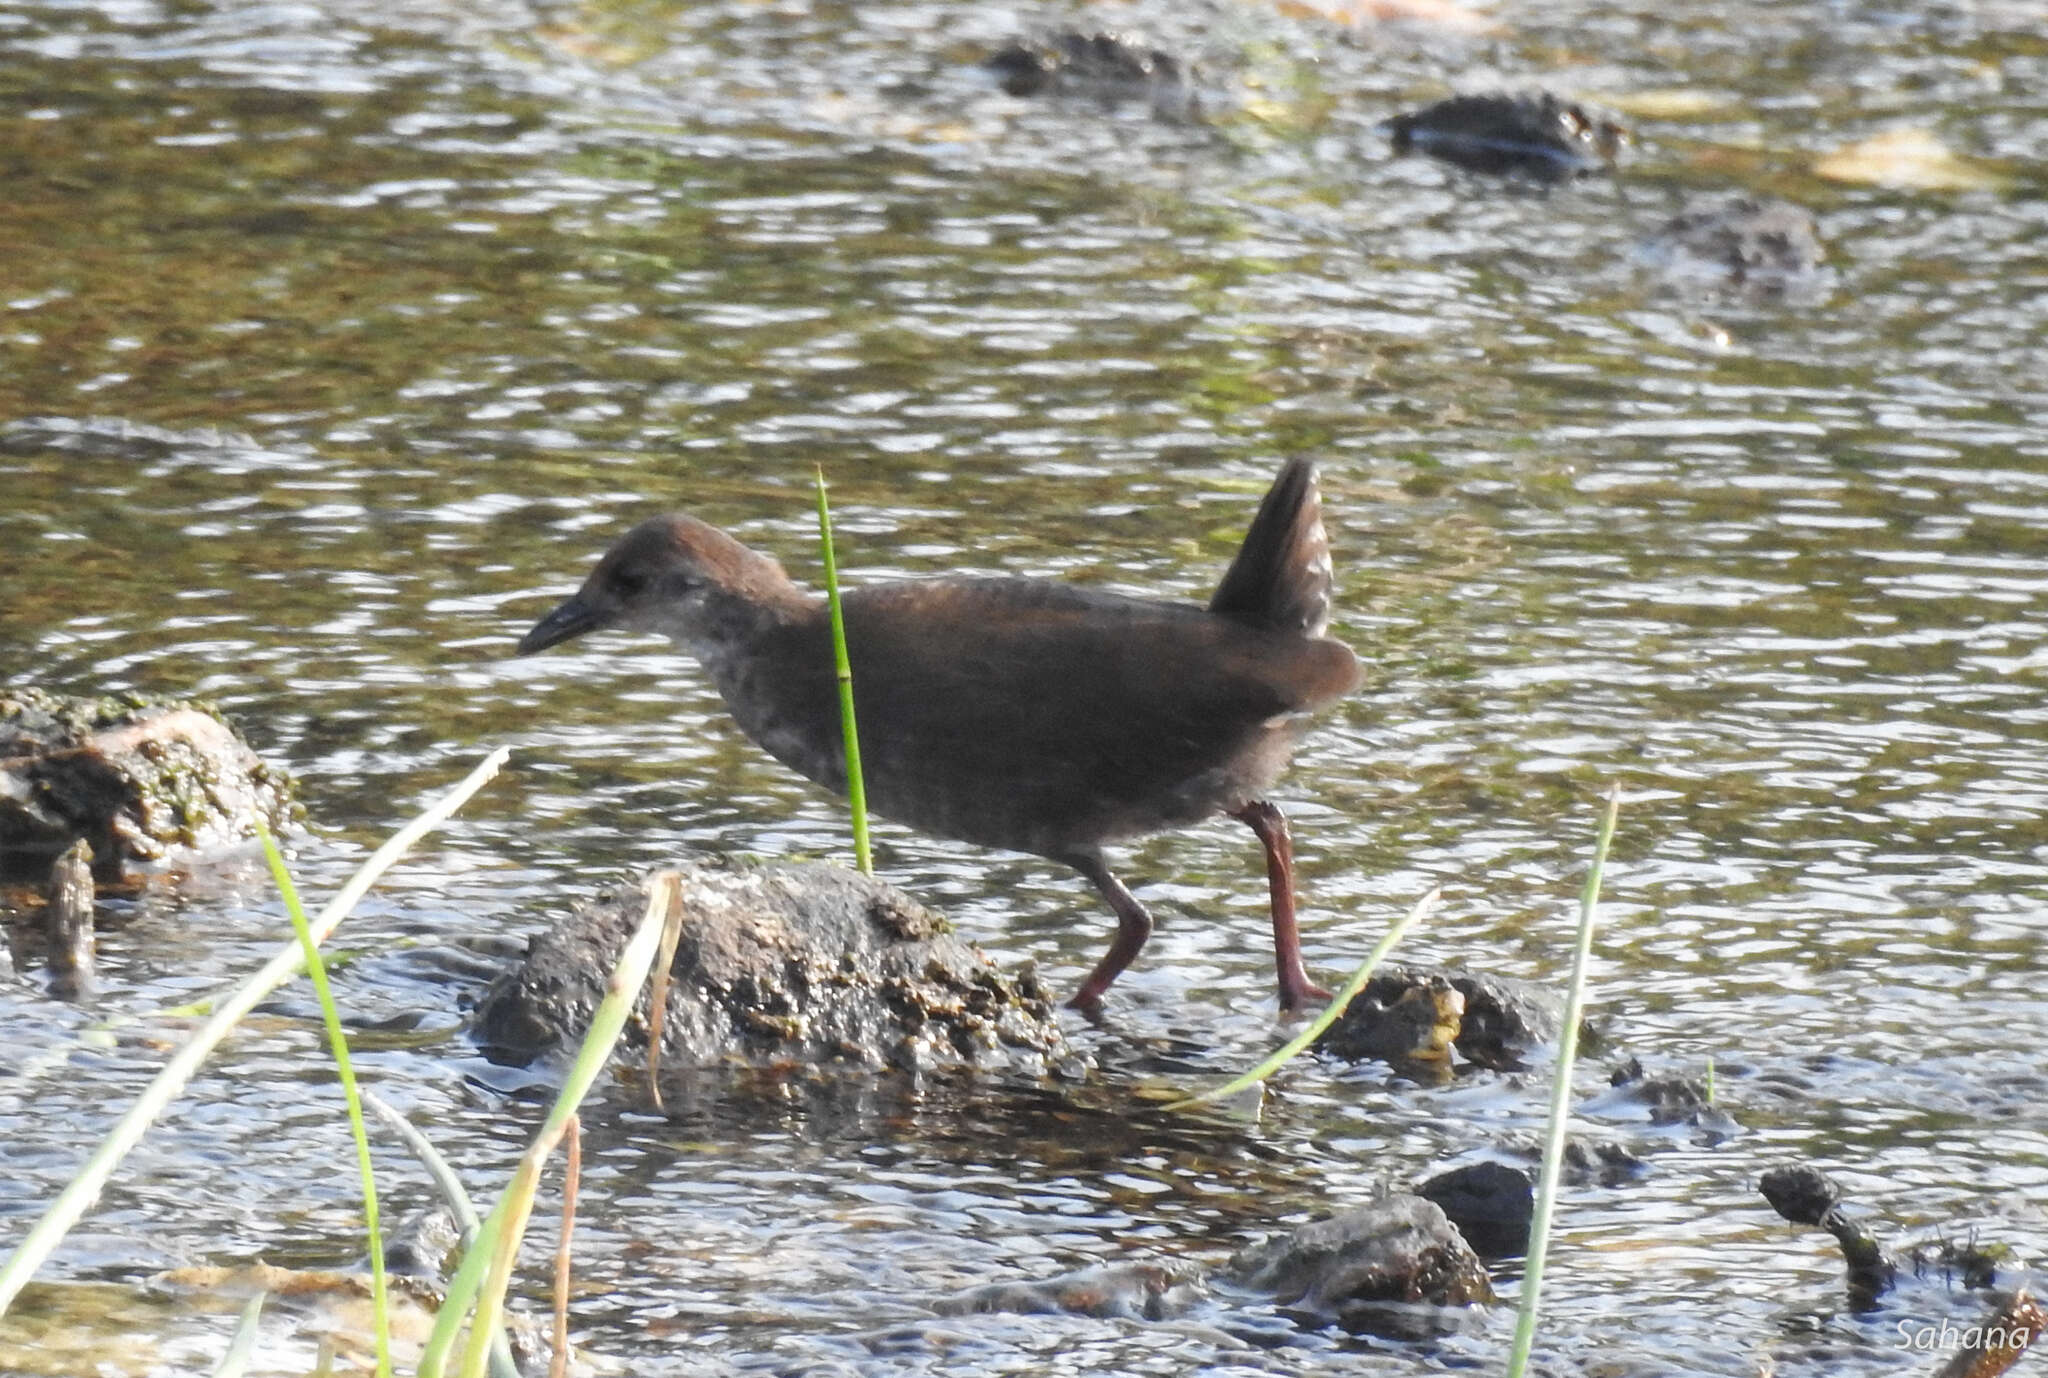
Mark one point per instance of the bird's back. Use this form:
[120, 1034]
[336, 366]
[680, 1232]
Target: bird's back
[1040, 717]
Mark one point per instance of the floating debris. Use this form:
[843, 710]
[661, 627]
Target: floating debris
[67, 924]
[1910, 160]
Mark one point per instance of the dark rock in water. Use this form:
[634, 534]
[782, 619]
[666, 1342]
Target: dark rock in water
[1670, 1100]
[1803, 1195]
[1766, 246]
[785, 964]
[1124, 1291]
[1535, 135]
[1386, 1269]
[1408, 1021]
[139, 779]
[1490, 1203]
[1410, 1012]
[422, 1244]
[1600, 1161]
[1098, 66]
[67, 924]
[1505, 1018]
[1392, 1268]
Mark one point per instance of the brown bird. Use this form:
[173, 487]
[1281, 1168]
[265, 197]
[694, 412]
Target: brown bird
[1025, 714]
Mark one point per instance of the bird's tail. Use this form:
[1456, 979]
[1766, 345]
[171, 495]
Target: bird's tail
[1281, 577]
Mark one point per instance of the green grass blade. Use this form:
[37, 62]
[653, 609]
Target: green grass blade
[243, 1346]
[454, 1196]
[1561, 1098]
[445, 1181]
[344, 1070]
[83, 1189]
[486, 1269]
[856, 792]
[1322, 1021]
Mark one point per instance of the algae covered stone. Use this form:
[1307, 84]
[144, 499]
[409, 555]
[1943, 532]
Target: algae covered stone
[138, 778]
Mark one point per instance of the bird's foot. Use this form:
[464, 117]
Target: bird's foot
[1294, 998]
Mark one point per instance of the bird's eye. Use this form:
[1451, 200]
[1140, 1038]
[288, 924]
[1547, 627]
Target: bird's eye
[630, 582]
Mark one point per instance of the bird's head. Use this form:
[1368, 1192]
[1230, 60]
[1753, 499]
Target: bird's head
[674, 575]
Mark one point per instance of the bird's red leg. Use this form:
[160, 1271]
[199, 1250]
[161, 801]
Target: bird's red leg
[1270, 824]
[1133, 927]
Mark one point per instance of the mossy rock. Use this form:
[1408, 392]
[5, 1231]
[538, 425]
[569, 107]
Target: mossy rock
[139, 778]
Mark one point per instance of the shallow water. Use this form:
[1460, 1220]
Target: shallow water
[336, 342]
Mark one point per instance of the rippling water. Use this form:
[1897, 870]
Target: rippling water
[336, 342]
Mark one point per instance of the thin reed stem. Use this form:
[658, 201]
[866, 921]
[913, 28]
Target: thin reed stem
[1331, 1011]
[572, 1174]
[1561, 1098]
[83, 1189]
[345, 1072]
[856, 791]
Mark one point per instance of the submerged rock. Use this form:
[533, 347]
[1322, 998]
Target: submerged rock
[138, 779]
[785, 964]
[1595, 1160]
[1388, 1268]
[1762, 246]
[1097, 66]
[1668, 1100]
[1123, 1291]
[422, 1245]
[1392, 1268]
[1412, 1017]
[1605, 1162]
[1534, 135]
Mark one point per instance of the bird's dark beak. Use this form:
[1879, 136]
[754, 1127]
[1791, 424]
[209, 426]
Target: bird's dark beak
[572, 619]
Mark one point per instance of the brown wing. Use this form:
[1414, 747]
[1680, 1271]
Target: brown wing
[1017, 712]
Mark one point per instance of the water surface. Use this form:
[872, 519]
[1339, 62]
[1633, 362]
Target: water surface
[337, 341]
